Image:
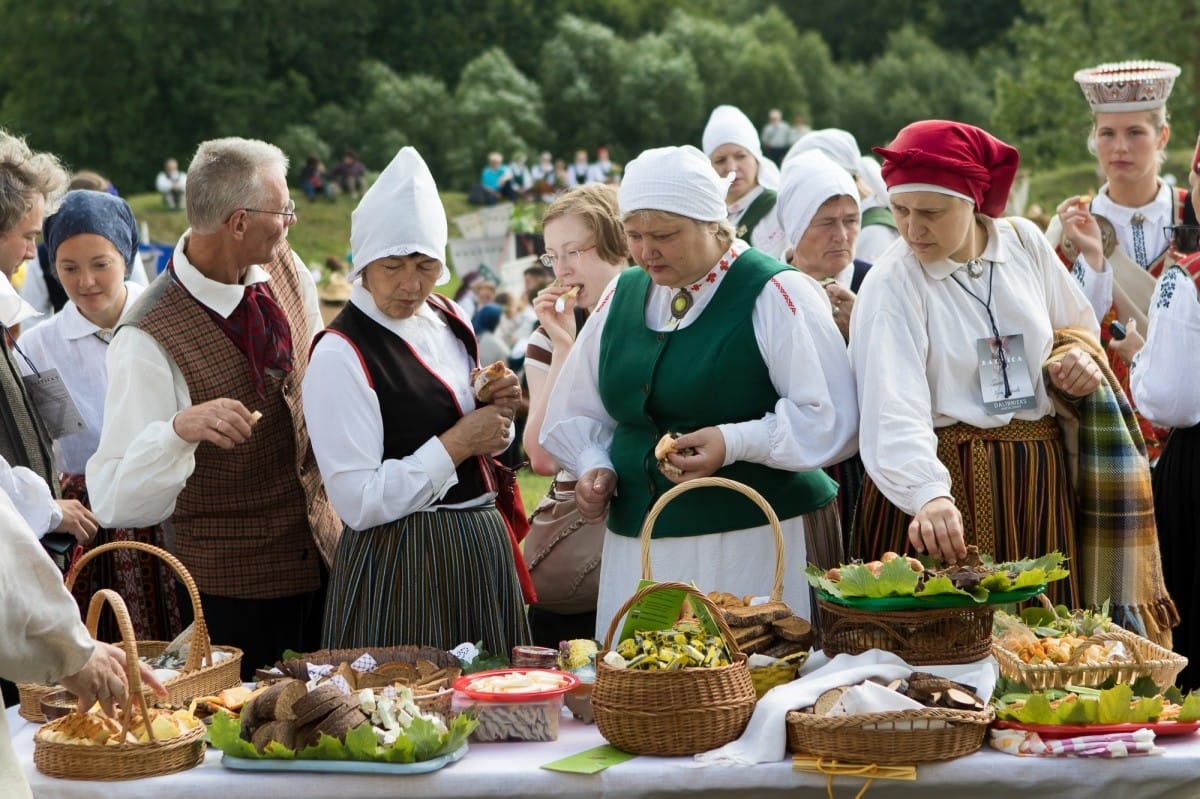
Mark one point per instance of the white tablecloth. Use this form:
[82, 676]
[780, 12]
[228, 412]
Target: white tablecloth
[512, 770]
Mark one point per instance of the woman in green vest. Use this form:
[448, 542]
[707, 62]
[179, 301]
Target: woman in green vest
[728, 347]
[732, 144]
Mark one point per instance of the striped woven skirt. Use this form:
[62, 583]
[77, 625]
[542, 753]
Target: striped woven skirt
[1010, 484]
[436, 579]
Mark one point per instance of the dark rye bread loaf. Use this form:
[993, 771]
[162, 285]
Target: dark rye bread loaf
[273, 703]
[282, 731]
[330, 705]
[315, 697]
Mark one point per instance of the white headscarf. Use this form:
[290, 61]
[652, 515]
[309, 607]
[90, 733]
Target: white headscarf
[400, 214]
[680, 180]
[840, 145]
[728, 125]
[809, 179]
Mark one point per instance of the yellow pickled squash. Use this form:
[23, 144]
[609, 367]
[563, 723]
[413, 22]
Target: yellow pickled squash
[686, 645]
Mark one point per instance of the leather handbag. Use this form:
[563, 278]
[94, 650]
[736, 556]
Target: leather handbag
[563, 553]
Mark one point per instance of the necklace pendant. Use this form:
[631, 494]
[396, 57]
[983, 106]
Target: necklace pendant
[681, 303]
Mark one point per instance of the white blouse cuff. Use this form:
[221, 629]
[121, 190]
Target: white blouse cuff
[746, 441]
[593, 458]
[437, 465]
[926, 494]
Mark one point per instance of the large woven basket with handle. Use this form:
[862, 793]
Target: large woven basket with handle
[201, 676]
[688, 710]
[125, 760]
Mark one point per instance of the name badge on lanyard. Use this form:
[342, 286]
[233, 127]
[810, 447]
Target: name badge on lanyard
[1004, 375]
[55, 406]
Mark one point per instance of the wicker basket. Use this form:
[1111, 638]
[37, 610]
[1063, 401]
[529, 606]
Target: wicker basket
[199, 677]
[439, 702]
[921, 636]
[898, 737]
[679, 712]
[124, 761]
[1149, 660]
[764, 677]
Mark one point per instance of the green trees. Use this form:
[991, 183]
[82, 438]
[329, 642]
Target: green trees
[118, 86]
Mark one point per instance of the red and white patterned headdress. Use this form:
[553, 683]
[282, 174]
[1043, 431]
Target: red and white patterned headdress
[1127, 85]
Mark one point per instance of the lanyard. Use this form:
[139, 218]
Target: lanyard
[12, 343]
[987, 306]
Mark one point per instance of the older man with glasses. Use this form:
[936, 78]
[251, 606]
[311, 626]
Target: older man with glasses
[202, 421]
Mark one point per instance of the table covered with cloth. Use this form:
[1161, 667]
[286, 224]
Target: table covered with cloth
[514, 770]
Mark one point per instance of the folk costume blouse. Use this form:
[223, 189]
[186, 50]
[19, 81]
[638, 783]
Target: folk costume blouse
[913, 342]
[1163, 374]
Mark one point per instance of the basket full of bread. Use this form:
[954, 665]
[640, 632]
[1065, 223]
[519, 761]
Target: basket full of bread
[925, 613]
[1055, 647]
[941, 719]
[140, 741]
[189, 667]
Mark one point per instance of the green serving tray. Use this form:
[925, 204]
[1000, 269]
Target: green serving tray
[933, 602]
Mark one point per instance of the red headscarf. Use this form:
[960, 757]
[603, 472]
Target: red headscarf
[954, 156]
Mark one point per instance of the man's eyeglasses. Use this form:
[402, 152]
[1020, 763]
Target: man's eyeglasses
[549, 260]
[289, 210]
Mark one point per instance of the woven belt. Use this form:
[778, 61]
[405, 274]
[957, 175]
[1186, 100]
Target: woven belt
[983, 515]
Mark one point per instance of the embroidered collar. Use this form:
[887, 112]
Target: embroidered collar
[682, 299]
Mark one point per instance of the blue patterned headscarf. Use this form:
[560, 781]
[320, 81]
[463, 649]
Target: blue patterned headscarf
[84, 211]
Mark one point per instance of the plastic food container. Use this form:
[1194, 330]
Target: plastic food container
[516, 720]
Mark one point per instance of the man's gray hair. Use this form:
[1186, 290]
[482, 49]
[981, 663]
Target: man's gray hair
[226, 175]
[25, 174]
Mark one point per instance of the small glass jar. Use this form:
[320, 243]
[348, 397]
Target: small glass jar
[534, 657]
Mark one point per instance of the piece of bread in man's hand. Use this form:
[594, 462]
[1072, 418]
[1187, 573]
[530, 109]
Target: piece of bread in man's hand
[482, 380]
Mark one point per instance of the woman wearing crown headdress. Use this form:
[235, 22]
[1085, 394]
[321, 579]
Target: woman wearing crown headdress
[1118, 240]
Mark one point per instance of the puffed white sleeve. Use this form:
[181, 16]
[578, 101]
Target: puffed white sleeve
[888, 354]
[346, 428]
[815, 421]
[577, 431]
[1070, 301]
[1162, 375]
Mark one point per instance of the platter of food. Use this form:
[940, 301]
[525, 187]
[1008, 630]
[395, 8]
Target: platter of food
[342, 766]
[1159, 728]
[515, 685]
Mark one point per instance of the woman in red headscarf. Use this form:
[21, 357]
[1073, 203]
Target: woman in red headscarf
[947, 342]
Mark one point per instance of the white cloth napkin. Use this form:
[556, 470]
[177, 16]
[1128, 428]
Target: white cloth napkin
[765, 737]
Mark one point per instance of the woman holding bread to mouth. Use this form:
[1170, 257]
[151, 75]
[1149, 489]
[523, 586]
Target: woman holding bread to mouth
[404, 435]
[585, 246]
[663, 352]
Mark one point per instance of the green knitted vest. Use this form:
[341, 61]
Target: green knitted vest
[679, 381]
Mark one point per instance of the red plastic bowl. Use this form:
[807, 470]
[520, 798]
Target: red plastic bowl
[463, 683]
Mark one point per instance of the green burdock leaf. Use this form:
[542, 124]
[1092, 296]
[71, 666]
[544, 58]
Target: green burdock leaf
[326, 748]
[399, 752]
[1115, 705]
[1037, 710]
[426, 740]
[1190, 710]
[226, 734]
[277, 751]
[460, 729]
[942, 585]
[361, 743]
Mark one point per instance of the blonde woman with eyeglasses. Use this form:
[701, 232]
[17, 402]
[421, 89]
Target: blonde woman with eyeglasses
[585, 248]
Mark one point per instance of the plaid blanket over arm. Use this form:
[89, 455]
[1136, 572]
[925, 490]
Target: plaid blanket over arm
[1117, 537]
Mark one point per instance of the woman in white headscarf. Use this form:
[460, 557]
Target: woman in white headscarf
[405, 446]
[732, 144]
[655, 357]
[877, 229]
[818, 205]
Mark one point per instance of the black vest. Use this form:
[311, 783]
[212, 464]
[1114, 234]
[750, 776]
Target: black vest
[413, 402]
